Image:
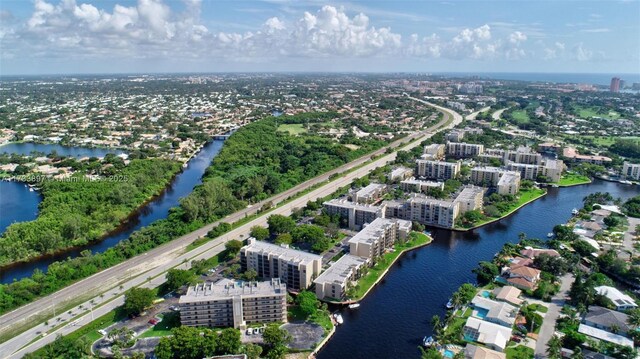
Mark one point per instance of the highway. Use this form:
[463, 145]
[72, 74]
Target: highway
[103, 291]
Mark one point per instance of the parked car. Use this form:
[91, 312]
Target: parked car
[516, 339]
[102, 331]
[153, 321]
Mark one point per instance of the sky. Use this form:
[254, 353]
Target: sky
[132, 36]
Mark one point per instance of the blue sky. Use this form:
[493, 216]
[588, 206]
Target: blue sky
[97, 36]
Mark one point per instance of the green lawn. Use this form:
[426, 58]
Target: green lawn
[539, 308]
[520, 116]
[376, 271]
[572, 179]
[519, 352]
[320, 317]
[293, 129]
[169, 321]
[525, 195]
[588, 112]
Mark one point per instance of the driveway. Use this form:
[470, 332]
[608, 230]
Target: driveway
[549, 322]
[630, 234]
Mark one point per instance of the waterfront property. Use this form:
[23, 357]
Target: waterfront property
[357, 214]
[230, 303]
[375, 238]
[521, 275]
[607, 319]
[620, 300]
[432, 211]
[631, 171]
[508, 294]
[492, 335]
[335, 281]
[437, 169]
[506, 182]
[495, 312]
[550, 169]
[470, 198]
[369, 194]
[295, 268]
[472, 351]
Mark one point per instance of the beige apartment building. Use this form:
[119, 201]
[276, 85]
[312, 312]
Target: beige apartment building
[414, 185]
[370, 193]
[433, 212]
[335, 281]
[356, 214]
[470, 198]
[377, 236]
[230, 303]
[437, 169]
[434, 152]
[295, 268]
[464, 150]
[506, 182]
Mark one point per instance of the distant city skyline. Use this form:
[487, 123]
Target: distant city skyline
[127, 36]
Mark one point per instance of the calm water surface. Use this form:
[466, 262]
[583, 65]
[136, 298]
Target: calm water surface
[26, 148]
[395, 316]
[26, 209]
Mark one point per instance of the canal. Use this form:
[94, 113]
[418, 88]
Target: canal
[396, 315]
[24, 207]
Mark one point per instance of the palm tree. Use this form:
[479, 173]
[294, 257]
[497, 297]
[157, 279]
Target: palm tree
[436, 323]
[634, 318]
[553, 348]
[577, 353]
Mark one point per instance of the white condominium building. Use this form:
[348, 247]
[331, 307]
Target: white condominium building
[370, 193]
[356, 214]
[335, 281]
[434, 152]
[377, 236]
[507, 182]
[433, 212]
[414, 185]
[229, 303]
[437, 169]
[295, 268]
[464, 150]
[470, 198]
[631, 170]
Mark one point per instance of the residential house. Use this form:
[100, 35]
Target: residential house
[472, 351]
[495, 312]
[493, 336]
[620, 300]
[508, 294]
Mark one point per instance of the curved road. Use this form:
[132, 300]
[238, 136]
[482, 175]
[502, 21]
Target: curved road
[104, 290]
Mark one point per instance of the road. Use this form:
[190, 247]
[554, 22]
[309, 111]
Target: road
[472, 116]
[498, 114]
[101, 288]
[549, 322]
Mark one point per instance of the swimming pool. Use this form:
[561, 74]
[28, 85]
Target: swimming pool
[448, 353]
[485, 294]
[480, 313]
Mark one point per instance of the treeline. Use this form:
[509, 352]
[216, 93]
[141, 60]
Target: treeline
[626, 148]
[254, 160]
[77, 212]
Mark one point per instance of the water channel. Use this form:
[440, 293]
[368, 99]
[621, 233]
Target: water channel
[396, 315]
[19, 204]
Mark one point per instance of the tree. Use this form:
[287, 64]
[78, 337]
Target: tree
[583, 248]
[612, 221]
[436, 324]
[252, 351]
[137, 299]
[259, 233]
[274, 336]
[229, 341]
[554, 265]
[554, 346]
[308, 302]
[250, 274]
[233, 248]
[431, 353]
[284, 238]
[279, 224]
[176, 278]
[486, 272]
[634, 317]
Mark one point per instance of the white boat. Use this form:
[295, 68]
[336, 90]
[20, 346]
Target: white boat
[354, 306]
[30, 189]
[574, 211]
[449, 304]
[428, 341]
[338, 318]
[550, 234]
[625, 182]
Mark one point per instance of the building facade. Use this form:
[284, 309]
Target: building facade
[370, 193]
[295, 268]
[379, 235]
[230, 303]
[464, 150]
[356, 214]
[414, 185]
[437, 169]
[336, 280]
[631, 170]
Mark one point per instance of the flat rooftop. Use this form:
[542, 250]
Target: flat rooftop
[374, 230]
[340, 271]
[370, 189]
[292, 255]
[348, 204]
[227, 288]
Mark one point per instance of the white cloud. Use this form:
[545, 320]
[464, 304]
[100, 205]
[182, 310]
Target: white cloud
[517, 37]
[581, 53]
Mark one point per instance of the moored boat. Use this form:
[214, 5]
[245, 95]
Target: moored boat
[428, 341]
[338, 318]
[354, 306]
[449, 304]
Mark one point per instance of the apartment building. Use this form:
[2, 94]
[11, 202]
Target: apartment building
[631, 170]
[470, 198]
[414, 185]
[524, 155]
[433, 212]
[335, 281]
[377, 236]
[455, 135]
[464, 150]
[356, 214]
[506, 182]
[527, 171]
[552, 169]
[400, 173]
[230, 303]
[437, 169]
[434, 152]
[294, 268]
[370, 193]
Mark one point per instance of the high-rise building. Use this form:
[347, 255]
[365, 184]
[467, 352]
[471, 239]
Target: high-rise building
[615, 84]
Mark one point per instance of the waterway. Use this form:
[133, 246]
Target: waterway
[396, 315]
[22, 209]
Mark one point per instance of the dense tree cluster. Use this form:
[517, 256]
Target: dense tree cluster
[197, 343]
